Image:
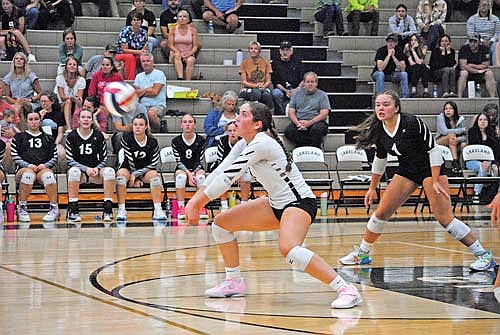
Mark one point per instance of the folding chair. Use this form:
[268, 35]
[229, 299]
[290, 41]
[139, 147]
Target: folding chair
[355, 160]
[310, 158]
[476, 152]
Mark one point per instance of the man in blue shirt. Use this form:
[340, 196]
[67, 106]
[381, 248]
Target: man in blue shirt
[151, 87]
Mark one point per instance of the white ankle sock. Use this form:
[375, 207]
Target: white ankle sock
[476, 248]
[337, 283]
[233, 273]
[365, 246]
[157, 206]
[121, 206]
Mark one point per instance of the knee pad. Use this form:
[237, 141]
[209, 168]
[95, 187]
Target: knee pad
[155, 181]
[200, 179]
[300, 257]
[221, 235]
[458, 229]
[376, 225]
[108, 174]
[48, 178]
[180, 180]
[74, 174]
[497, 293]
[28, 178]
[121, 180]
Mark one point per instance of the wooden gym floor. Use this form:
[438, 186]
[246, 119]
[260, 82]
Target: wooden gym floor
[149, 278]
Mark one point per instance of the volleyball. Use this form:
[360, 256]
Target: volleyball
[120, 98]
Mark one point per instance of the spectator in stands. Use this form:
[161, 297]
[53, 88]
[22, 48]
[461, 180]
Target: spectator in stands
[141, 156]
[50, 11]
[151, 87]
[402, 25]
[189, 152]
[362, 11]
[148, 22]
[94, 64]
[35, 156]
[255, 75]
[52, 122]
[451, 131]
[99, 117]
[487, 26]
[224, 145]
[4, 105]
[430, 18]
[466, 7]
[218, 117]
[22, 87]
[12, 23]
[6, 133]
[69, 47]
[107, 74]
[287, 75]
[132, 42]
[494, 116]
[483, 133]
[31, 9]
[8, 129]
[183, 45]
[390, 65]
[442, 65]
[308, 112]
[88, 166]
[168, 19]
[415, 51]
[103, 5]
[69, 89]
[223, 13]
[329, 13]
[474, 62]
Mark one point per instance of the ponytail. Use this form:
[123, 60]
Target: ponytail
[289, 158]
[262, 113]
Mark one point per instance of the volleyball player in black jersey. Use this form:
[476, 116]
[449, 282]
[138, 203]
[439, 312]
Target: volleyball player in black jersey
[35, 155]
[87, 157]
[140, 159]
[408, 138]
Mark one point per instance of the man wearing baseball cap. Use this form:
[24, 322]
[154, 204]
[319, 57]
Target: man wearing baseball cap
[286, 77]
[474, 61]
[390, 66]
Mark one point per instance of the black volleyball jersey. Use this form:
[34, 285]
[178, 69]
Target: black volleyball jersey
[139, 158]
[189, 156]
[411, 142]
[223, 148]
[28, 148]
[86, 152]
[2, 153]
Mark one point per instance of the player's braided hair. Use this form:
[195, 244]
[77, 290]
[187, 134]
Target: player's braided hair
[262, 113]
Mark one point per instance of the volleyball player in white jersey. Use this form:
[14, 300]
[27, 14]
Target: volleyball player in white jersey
[290, 207]
[408, 138]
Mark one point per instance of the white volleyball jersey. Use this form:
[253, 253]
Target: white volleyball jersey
[267, 162]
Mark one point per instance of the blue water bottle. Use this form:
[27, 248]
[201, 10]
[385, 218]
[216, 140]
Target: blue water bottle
[211, 29]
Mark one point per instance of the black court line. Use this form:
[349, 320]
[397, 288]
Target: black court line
[104, 301]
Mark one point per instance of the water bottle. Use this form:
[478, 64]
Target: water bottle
[175, 208]
[239, 56]
[324, 204]
[288, 86]
[211, 27]
[478, 90]
[163, 126]
[11, 209]
[97, 218]
[434, 91]
[232, 199]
